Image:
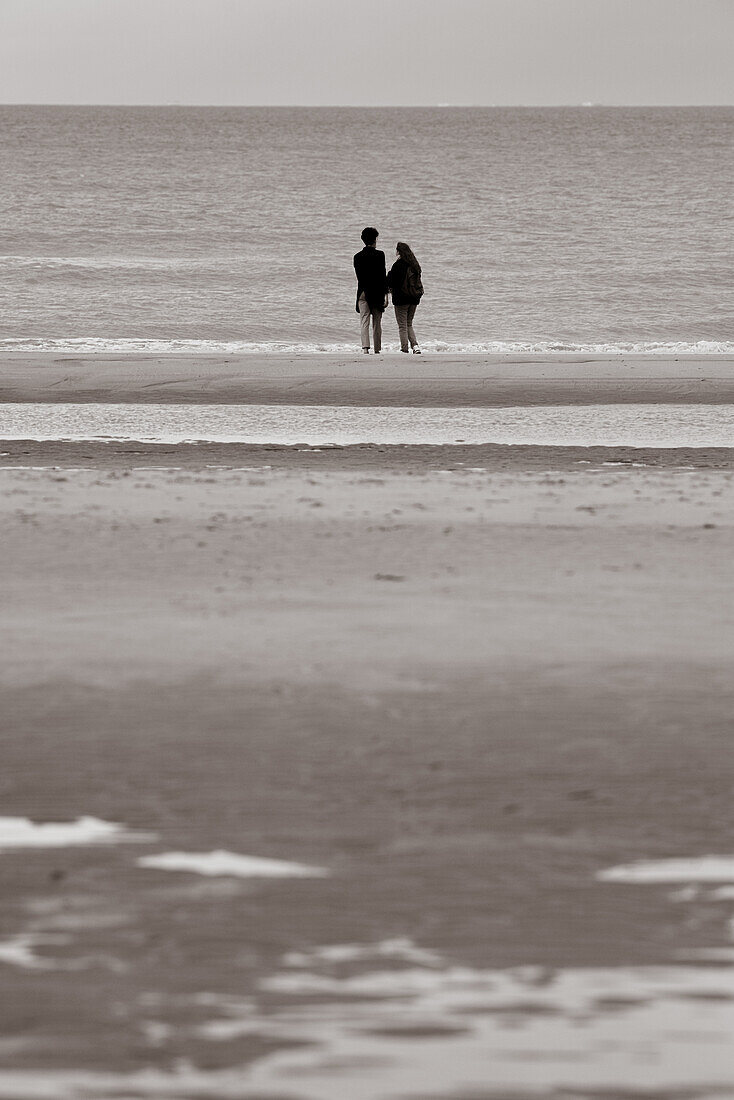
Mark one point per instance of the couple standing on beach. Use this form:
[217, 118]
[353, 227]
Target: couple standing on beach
[374, 283]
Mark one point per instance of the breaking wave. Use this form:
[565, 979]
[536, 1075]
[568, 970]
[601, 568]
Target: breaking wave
[155, 346]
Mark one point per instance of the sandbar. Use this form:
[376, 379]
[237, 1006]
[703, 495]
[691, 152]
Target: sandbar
[437, 380]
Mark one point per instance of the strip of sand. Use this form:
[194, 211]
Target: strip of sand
[432, 575]
[437, 380]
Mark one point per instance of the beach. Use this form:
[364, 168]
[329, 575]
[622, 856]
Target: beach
[392, 379]
[456, 684]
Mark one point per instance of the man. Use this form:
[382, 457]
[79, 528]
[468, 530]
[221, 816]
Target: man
[369, 264]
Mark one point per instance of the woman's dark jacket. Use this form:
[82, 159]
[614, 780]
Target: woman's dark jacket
[395, 280]
[369, 265]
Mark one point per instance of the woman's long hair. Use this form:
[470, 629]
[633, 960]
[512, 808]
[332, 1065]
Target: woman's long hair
[406, 253]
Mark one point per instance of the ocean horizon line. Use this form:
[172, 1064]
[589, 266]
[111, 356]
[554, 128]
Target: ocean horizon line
[377, 106]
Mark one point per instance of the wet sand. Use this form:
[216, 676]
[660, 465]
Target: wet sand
[462, 680]
[438, 380]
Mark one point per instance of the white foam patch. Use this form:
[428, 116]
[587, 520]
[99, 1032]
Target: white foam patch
[400, 949]
[694, 869]
[21, 951]
[86, 345]
[685, 894]
[230, 864]
[21, 832]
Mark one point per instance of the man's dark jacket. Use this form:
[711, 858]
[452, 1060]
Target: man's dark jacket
[371, 277]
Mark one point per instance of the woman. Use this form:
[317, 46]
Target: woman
[404, 281]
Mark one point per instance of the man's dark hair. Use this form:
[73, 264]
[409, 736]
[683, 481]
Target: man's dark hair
[370, 234]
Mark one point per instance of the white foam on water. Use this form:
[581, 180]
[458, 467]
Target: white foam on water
[685, 894]
[21, 832]
[21, 951]
[693, 869]
[400, 949]
[229, 864]
[85, 345]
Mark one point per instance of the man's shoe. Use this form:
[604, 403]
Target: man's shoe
[404, 351]
[417, 351]
[365, 351]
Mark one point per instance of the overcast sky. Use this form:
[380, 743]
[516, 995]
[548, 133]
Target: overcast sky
[366, 51]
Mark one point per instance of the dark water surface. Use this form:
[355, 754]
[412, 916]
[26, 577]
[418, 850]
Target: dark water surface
[173, 227]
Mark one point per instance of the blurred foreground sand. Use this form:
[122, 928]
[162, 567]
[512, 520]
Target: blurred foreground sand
[462, 680]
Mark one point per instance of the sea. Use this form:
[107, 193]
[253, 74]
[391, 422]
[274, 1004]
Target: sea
[593, 229]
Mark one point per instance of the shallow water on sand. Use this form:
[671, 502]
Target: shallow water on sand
[582, 426]
[394, 1018]
[390, 1019]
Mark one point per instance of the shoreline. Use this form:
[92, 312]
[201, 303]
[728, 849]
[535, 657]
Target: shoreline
[436, 380]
